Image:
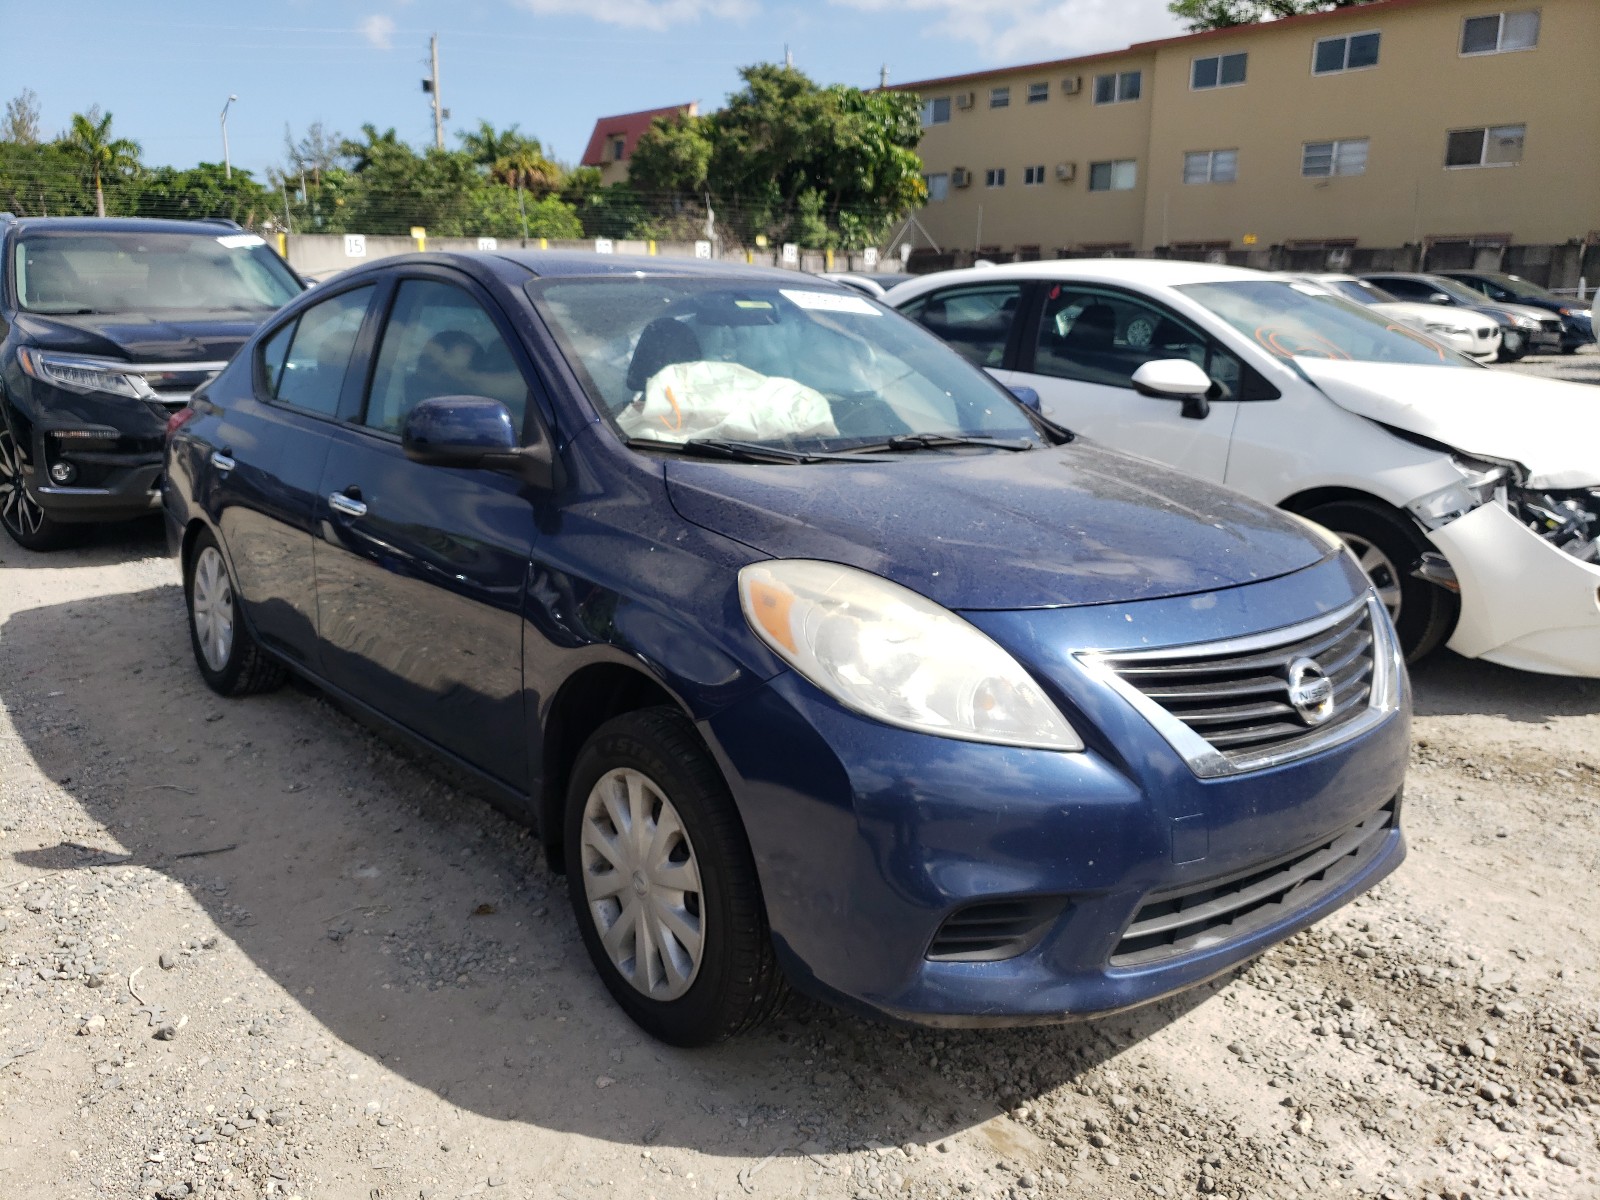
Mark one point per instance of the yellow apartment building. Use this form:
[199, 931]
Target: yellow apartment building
[1395, 123]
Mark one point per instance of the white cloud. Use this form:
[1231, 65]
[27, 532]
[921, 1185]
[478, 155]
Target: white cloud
[641, 14]
[1007, 30]
[379, 30]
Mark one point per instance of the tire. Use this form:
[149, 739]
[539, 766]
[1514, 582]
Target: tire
[1514, 352]
[1565, 349]
[656, 774]
[28, 525]
[230, 660]
[1388, 546]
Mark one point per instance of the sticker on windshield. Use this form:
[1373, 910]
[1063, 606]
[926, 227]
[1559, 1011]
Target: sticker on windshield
[761, 304]
[237, 241]
[830, 302]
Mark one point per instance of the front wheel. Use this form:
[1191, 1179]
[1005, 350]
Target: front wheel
[230, 660]
[1512, 348]
[1388, 547]
[664, 885]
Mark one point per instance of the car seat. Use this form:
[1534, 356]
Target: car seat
[664, 341]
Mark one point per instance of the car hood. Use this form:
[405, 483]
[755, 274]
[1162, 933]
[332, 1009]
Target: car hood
[1495, 308]
[1072, 525]
[189, 337]
[1408, 310]
[1549, 426]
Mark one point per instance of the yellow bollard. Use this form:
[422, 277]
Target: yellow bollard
[828, 258]
[283, 245]
[652, 246]
[421, 234]
[544, 243]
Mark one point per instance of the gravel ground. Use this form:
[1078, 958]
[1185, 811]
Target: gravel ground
[248, 949]
[1582, 367]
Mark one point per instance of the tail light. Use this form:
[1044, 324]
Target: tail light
[178, 420]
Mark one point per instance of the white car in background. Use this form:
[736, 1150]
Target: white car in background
[1473, 334]
[1471, 497]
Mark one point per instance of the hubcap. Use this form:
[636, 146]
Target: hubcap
[20, 511]
[1381, 572]
[212, 605]
[642, 883]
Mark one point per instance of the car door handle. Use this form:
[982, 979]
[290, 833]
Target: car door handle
[221, 461]
[350, 507]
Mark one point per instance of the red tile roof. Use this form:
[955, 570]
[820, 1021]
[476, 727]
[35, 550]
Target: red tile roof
[629, 127]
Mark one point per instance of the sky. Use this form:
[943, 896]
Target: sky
[164, 68]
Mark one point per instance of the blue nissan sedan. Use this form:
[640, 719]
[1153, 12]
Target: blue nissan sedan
[815, 657]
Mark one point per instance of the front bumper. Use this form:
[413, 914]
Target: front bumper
[1524, 603]
[113, 448]
[869, 839]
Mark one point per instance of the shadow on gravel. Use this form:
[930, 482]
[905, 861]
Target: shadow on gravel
[421, 928]
[99, 546]
[1447, 685]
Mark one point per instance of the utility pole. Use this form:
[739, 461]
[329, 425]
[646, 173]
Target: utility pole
[431, 86]
[227, 159]
[883, 76]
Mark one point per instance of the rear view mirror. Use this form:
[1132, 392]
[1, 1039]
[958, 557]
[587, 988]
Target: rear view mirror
[473, 431]
[1027, 396]
[1439, 298]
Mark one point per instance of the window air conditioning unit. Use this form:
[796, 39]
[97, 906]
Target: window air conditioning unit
[1072, 85]
[1066, 172]
[960, 177]
[965, 100]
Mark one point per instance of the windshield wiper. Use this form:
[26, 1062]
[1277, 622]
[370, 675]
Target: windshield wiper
[902, 442]
[734, 451]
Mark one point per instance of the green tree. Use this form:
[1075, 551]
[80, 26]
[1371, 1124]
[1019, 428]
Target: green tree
[22, 119]
[511, 158]
[616, 211]
[200, 191]
[101, 155]
[1200, 15]
[830, 166]
[43, 180]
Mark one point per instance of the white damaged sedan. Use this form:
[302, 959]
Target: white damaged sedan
[1471, 497]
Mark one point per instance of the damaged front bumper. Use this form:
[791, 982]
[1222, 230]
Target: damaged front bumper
[1525, 603]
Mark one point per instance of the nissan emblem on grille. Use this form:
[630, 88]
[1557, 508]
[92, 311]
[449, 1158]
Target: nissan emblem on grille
[1310, 691]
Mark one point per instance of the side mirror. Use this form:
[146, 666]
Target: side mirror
[474, 431]
[1439, 298]
[1176, 379]
[1028, 397]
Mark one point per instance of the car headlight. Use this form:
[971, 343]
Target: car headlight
[1440, 328]
[80, 373]
[1479, 482]
[894, 655]
[1524, 322]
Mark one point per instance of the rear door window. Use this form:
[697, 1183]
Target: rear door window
[304, 364]
[976, 321]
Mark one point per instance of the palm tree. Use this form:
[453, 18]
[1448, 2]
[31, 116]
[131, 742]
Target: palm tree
[102, 154]
[363, 154]
[511, 158]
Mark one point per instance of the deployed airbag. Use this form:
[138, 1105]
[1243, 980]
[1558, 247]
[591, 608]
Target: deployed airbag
[725, 400]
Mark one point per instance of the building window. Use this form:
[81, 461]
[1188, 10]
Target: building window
[994, 177]
[1000, 97]
[938, 186]
[1220, 70]
[1032, 176]
[1496, 146]
[1211, 166]
[1500, 32]
[1345, 53]
[1318, 160]
[936, 111]
[1038, 93]
[1118, 87]
[1118, 176]
[618, 149]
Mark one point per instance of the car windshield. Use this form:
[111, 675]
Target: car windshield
[1459, 292]
[143, 272]
[795, 366]
[1522, 289]
[1297, 320]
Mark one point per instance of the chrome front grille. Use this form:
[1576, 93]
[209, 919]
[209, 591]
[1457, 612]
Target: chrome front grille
[1256, 701]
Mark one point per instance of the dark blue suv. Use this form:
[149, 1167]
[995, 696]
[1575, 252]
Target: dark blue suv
[812, 653]
[106, 327]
